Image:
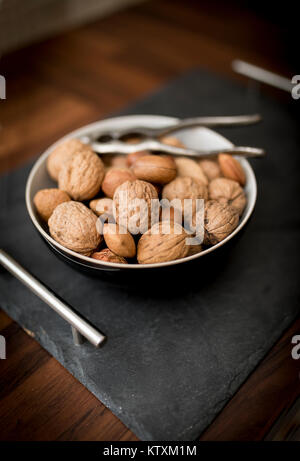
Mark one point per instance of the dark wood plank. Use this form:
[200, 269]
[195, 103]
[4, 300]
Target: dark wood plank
[83, 75]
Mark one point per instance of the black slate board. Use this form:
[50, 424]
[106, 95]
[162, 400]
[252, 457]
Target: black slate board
[180, 346]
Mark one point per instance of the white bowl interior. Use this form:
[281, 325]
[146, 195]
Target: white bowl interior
[195, 138]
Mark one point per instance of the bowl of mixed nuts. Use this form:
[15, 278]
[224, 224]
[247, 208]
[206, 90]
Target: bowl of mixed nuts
[141, 210]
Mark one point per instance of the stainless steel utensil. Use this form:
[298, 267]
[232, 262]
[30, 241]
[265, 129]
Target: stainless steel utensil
[113, 147]
[80, 327]
[182, 124]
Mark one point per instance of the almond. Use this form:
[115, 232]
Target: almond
[155, 169]
[231, 168]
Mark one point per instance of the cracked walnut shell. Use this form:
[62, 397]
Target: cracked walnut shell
[62, 153]
[165, 241]
[74, 226]
[81, 175]
[219, 221]
[228, 191]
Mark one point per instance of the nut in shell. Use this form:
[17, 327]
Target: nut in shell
[119, 240]
[46, 200]
[155, 169]
[220, 220]
[74, 226]
[188, 167]
[229, 191]
[81, 176]
[232, 169]
[136, 206]
[62, 153]
[108, 256]
[165, 241]
[101, 206]
[114, 178]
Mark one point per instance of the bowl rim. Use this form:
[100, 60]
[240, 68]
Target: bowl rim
[84, 260]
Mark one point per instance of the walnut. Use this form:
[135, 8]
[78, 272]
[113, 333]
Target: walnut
[165, 241]
[194, 249]
[113, 178]
[219, 221]
[62, 153]
[119, 241]
[108, 256]
[74, 226]
[81, 175]
[46, 200]
[229, 191]
[188, 167]
[210, 168]
[134, 206]
[185, 188]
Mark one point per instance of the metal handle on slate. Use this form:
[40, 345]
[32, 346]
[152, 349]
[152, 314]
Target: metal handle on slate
[80, 327]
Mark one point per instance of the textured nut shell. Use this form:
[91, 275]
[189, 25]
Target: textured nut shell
[189, 167]
[194, 249]
[46, 200]
[210, 168]
[114, 178]
[62, 153]
[134, 190]
[220, 220]
[119, 241]
[185, 188]
[231, 168]
[154, 168]
[108, 256]
[161, 247]
[171, 214]
[229, 190]
[101, 206]
[73, 225]
[172, 141]
[81, 176]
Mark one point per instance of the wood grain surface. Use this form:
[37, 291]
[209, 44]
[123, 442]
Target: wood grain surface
[78, 77]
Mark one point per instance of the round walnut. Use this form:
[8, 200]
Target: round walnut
[185, 188]
[108, 256]
[134, 205]
[46, 200]
[189, 167]
[155, 169]
[165, 241]
[62, 153]
[114, 178]
[119, 241]
[228, 191]
[219, 221]
[210, 168]
[101, 206]
[74, 226]
[81, 176]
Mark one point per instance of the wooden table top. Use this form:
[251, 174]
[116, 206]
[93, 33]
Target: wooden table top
[81, 76]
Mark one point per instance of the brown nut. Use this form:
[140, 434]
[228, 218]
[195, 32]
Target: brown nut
[154, 168]
[188, 167]
[210, 168]
[230, 191]
[185, 188]
[46, 200]
[165, 241]
[194, 249]
[134, 156]
[219, 221]
[171, 213]
[134, 205]
[232, 169]
[81, 176]
[62, 153]
[114, 178]
[101, 206]
[74, 226]
[119, 241]
[172, 141]
[108, 256]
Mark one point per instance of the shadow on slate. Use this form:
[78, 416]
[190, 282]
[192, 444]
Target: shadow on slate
[180, 344]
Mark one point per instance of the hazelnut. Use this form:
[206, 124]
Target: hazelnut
[232, 169]
[210, 168]
[114, 178]
[81, 175]
[154, 168]
[230, 191]
[101, 206]
[165, 241]
[62, 153]
[108, 256]
[46, 200]
[74, 226]
[119, 241]
[188, 167]
[134, 206]
[219, 221]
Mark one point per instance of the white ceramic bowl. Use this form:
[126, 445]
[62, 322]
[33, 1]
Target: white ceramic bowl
[196, 137]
